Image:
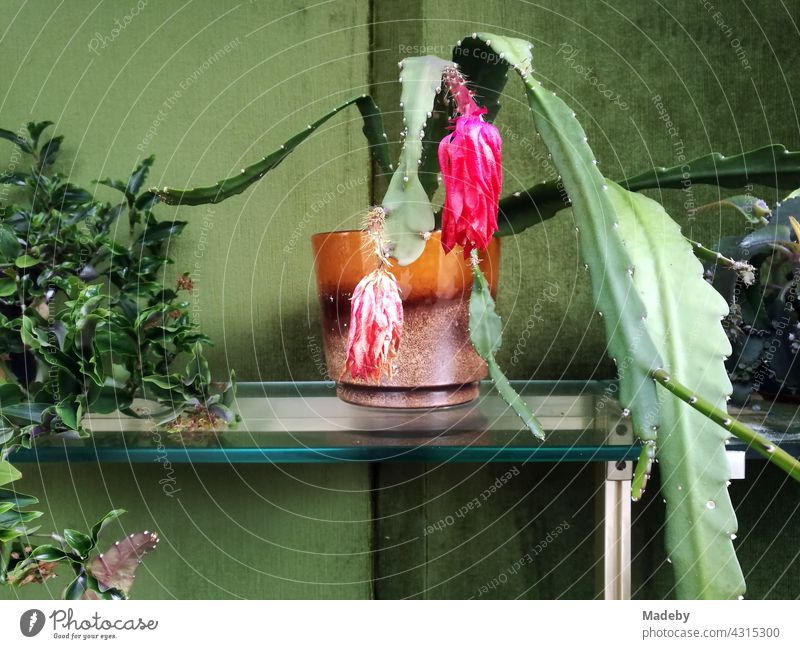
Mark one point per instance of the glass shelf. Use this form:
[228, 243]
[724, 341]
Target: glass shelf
[306, 422]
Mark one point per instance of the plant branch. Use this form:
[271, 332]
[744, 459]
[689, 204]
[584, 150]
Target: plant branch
[761, 444]
[745, 270]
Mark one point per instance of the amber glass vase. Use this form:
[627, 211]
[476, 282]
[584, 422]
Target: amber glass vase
[436, 365]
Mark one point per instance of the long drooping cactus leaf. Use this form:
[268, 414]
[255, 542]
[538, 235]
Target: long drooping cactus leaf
[602, 248]
[772, 165]
[690, 447]
[408, 209]
[631, 318]
[486, 335]
[373, 130]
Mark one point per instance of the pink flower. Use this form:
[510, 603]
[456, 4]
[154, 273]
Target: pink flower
[470, 160]
[376, 324]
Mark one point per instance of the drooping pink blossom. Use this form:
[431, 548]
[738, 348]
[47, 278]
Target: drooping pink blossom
[470, 160]
[376, 325]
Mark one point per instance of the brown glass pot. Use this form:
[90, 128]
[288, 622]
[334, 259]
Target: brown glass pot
[435, 365]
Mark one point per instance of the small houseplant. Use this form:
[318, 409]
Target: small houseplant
[647, 286]
[86, 325]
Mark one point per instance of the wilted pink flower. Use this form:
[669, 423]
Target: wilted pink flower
[376, 324]
[470, 160]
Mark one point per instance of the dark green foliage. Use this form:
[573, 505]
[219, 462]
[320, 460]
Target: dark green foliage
[86, 324]
[107, 575]
[763, 325]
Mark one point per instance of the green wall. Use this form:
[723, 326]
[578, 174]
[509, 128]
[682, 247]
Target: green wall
[161, 86]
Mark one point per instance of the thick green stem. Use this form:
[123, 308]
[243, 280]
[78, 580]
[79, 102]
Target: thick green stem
[761, 444]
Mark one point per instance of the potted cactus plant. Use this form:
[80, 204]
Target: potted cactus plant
[647, 285]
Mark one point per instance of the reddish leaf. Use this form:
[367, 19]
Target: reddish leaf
[116, 567]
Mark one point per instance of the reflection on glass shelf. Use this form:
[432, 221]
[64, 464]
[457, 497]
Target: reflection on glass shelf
[306, 422]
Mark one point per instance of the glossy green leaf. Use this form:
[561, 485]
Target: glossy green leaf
[78, 541]
[160, 232]
[10, 394]
[107, 399]
[48, 553]
[138, 176]
[32, 335]
[22, 143]
[115, 184]
[8, 473]
[28, 412]
[19, 500]
[10, 247]
[69, 411]
[76, 589]
[115, 342]
[100, 525]
[8, 286]
[8, 178]
[35, 129]
[26, 261]
[15, 518]
[49, 151]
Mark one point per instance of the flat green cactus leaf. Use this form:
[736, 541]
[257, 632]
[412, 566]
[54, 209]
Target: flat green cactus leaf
[602, 248]
[486, 335]
[690, 447]
[408, 209]
[773, 165]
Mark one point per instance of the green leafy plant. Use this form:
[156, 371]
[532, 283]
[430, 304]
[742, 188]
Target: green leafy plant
[97, 575]
[648, 286]
[87, 325]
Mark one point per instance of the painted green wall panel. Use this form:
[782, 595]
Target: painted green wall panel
[495, 531]
[238, 531]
